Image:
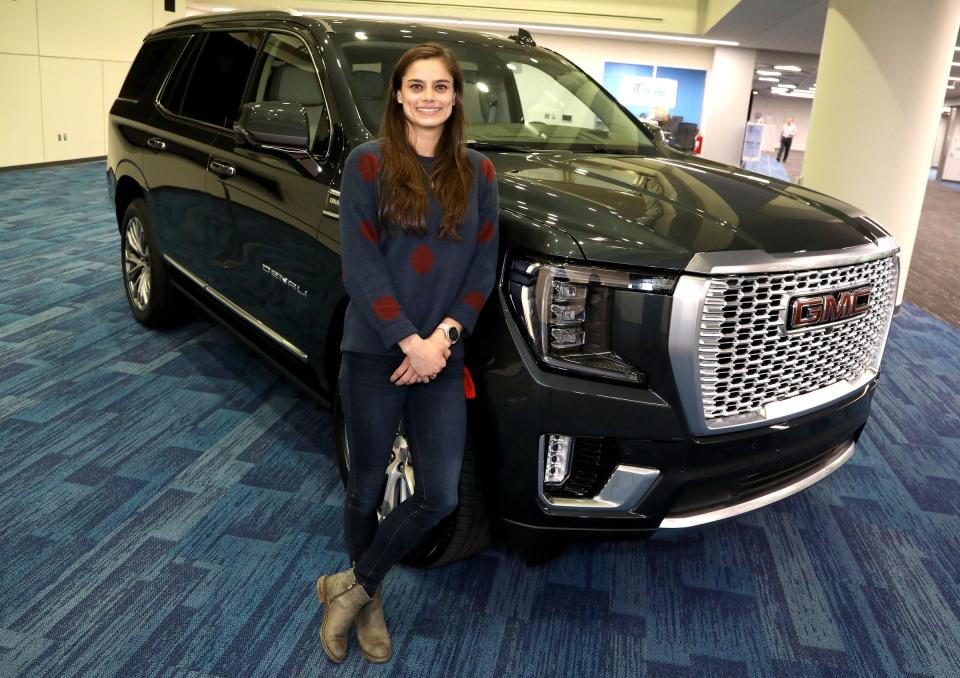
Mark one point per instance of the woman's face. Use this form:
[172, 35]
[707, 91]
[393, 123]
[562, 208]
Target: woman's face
[426, 94]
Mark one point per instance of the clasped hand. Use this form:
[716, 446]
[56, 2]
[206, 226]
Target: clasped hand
[423, 359]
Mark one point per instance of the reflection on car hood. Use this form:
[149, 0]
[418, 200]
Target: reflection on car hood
[658, 211]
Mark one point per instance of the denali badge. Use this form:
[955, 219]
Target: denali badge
[829, 307]
[284, 279]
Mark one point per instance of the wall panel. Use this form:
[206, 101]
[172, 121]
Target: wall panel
[19, 27]
[21, 132]
[105, 29]
[71, 92]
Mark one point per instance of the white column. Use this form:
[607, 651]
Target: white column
[882, 76]
[725, 102]
[948, 169]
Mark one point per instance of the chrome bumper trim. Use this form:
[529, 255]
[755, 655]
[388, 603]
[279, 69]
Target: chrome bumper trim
[624, 490]
[763, 500]
[239, 311]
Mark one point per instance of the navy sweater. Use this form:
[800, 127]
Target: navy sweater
[402, 284]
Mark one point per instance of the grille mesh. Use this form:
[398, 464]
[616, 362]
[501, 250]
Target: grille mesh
[748, 361]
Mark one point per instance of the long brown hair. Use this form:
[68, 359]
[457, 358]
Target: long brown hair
[403, 189]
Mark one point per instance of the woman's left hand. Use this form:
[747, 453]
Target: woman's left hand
[406, 375]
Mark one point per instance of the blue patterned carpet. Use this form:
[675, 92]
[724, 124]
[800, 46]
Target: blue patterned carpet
[166, 502]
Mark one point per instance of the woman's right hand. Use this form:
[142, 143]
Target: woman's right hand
[427, 357]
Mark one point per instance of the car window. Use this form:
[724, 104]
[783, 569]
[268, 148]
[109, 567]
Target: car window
[151, 61]
[218, 77]
[287, 73]
[512, 95]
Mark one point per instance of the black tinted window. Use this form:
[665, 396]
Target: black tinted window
[287, 73]
[219, 75]
[151, 63]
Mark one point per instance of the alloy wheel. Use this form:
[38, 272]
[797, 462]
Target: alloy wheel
[136, 263]
[400, 479]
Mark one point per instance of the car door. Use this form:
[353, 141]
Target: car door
[279, 261]
[198, 101]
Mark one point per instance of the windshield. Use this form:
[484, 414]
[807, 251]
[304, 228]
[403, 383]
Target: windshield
[519, 97]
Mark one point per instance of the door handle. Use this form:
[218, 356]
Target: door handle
[222, 168]
[157, 144]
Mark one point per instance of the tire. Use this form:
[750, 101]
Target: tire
[462, 534]
[149, 293]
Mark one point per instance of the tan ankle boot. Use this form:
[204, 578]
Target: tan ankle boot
[342, 597]
[372, 634]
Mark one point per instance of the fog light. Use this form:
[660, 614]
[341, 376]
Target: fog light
[559, 454]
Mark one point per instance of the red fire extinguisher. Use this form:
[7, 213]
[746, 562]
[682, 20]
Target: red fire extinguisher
[698, 144]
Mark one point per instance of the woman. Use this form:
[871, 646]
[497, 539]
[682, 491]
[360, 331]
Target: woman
[418, 219]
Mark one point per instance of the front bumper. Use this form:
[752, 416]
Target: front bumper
[667, 478]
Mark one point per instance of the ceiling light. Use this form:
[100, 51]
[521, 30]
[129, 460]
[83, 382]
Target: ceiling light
[762, 72]
[800, 95]
[769, 79]
[792, 69]
[512, 26]
[360, 35]
[788, 86]
[953, 78]
[950, 87]
[955, 63]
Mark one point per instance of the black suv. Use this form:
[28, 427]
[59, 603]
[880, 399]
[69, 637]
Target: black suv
[672, 341]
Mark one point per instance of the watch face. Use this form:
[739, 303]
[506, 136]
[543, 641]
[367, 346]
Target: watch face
[454, 334]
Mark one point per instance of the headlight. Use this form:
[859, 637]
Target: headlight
[567, 312]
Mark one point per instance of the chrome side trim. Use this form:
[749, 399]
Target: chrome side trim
[764, 500]
[758, 261]
[239, 311]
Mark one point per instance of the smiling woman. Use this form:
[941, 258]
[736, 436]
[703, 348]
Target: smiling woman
[418, 222]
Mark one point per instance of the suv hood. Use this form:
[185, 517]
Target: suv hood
[659, 211]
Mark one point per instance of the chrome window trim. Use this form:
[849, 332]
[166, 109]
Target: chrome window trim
[625, 489]
[691, 520]
[758, 261]
[275, 336]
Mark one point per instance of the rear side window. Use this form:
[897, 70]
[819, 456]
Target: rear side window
[216, 79]
[151, 63]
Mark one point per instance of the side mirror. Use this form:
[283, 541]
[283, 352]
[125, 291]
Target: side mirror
[274, 124]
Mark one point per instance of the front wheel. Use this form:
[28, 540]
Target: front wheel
[463, 533]
[148, 290]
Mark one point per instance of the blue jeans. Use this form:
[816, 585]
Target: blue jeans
[435, 418]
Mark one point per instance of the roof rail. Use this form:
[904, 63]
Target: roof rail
[240, 14]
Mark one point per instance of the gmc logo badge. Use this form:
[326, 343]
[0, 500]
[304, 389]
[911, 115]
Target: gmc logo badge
[829, 307]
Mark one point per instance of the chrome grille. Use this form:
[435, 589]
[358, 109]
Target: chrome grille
[746, 358]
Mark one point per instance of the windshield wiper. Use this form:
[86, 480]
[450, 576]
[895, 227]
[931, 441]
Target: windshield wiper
[611, 151]
[495, 146]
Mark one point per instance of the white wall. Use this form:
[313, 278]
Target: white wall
[590, 54]
[63, 63]
[775, 110]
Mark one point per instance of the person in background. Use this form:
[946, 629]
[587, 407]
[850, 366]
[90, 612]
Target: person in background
[787, 132]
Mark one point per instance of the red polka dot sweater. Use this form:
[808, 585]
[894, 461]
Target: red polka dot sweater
[403, 284]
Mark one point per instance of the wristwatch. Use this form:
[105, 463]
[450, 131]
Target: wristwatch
[450, 332]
